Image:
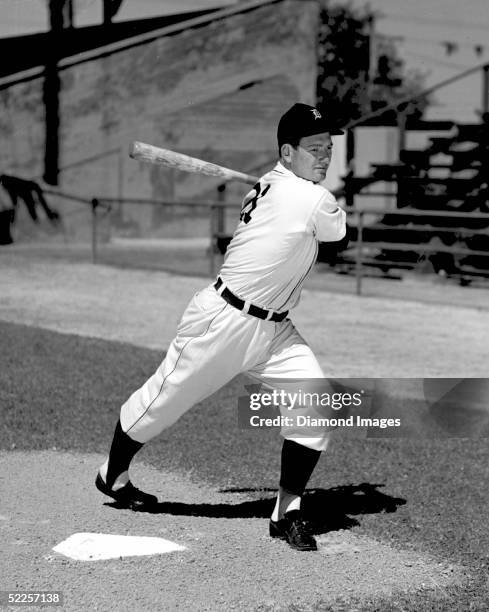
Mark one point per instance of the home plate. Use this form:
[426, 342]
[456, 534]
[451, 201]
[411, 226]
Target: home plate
[95, 546]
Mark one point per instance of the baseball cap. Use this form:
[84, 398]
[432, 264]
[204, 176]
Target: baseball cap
[303, 120]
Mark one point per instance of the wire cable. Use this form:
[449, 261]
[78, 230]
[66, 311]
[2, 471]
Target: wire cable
[435, 60]
[442, 22]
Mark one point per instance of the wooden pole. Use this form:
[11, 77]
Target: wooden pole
[51, 91]
[212, 245]
[485, 89]
[95, 204]
[359, 254]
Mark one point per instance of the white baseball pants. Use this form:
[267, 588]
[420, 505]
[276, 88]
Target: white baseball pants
[214, 343]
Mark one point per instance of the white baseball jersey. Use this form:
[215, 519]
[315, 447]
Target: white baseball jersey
[275, 244]
[272, 250]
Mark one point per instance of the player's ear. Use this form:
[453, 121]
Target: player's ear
[286, 152]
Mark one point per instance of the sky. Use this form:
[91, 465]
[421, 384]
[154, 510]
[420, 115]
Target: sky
[421, 30]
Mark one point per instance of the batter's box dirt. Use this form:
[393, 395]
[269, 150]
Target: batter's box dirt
[228, 563]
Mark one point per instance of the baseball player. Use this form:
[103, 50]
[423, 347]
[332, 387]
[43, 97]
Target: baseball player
[240, 323]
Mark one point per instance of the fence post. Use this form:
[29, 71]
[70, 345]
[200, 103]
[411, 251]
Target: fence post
[485, 88]
[120, 181]
[212, 245]
[95, 204]
[221, 198]
[350, 164]
[358, 262]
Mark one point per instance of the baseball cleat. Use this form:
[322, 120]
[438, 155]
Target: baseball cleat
[128, 496]
[294, 531]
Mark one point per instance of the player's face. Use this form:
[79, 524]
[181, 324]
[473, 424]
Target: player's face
[311, 159]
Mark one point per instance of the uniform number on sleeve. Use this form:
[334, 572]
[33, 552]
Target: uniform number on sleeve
[251, 201]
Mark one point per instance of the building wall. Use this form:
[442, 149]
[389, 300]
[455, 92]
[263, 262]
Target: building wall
[22, 129]
[214, 91]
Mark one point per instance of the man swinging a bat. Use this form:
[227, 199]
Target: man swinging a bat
[240, 324]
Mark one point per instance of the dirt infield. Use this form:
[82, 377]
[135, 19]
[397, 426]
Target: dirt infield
[227, 564]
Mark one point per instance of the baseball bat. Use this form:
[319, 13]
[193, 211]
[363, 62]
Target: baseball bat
[156, 155]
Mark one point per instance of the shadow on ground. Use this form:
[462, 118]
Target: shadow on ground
[325, 509]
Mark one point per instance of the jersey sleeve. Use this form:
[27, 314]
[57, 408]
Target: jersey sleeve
[328, 219]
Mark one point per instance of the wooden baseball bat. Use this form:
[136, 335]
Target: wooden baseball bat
[156, 155]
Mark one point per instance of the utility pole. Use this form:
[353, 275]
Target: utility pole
[51, 91]
[61, 17]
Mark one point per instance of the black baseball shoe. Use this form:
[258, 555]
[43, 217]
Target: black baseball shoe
[293, 529]
[128, 496]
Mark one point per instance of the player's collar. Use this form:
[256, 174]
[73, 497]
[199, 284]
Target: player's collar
[281, 169]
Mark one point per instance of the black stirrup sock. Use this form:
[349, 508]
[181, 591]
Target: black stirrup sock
[122, 451]
[298, 463]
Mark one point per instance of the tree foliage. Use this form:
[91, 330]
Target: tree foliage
[348, 86]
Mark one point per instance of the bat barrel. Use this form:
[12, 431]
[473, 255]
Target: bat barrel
[156, 155]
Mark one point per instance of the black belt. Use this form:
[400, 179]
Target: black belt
[254, 311]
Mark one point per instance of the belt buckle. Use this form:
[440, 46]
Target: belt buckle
[269, 315]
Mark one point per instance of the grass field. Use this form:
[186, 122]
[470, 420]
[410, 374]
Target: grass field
[405, 520]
